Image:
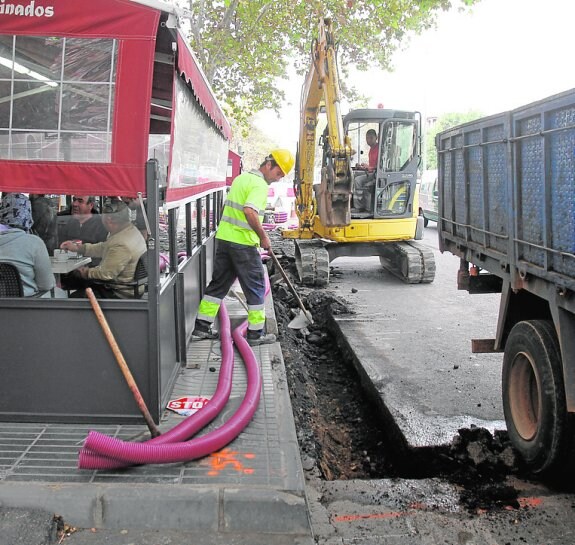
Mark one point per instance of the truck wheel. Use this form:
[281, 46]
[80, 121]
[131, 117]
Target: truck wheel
[534, 396]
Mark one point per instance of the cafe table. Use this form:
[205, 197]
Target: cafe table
[65, 267]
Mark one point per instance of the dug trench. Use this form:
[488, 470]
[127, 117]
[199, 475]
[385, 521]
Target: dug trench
[345, 432]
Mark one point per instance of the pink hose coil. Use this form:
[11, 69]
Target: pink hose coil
[103, 452]
[194, 423]
[147, 453]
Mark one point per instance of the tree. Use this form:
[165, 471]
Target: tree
[443, 123]
[245, 46]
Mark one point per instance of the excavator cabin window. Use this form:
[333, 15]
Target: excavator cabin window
[397, 150]
[397, 145]
[358, 134]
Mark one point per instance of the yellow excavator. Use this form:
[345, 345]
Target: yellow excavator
[355, 210]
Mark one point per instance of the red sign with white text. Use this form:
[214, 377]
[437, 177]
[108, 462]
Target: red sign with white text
[186, 406]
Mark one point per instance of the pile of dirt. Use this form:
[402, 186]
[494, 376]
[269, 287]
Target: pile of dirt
[479, 463]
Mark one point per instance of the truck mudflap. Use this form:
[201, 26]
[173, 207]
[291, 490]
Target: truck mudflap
[411, 262]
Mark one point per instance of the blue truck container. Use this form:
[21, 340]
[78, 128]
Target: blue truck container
[507, 209]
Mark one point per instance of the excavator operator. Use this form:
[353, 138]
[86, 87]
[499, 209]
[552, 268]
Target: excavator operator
[371, 140]
[238, 236]
[365, 181]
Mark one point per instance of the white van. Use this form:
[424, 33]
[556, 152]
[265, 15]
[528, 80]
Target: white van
[428, 195]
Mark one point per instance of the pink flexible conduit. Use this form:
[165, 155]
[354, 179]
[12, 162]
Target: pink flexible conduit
[103, 452]
[89, 459]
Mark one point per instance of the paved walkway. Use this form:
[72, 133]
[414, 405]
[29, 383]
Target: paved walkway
[253, 487]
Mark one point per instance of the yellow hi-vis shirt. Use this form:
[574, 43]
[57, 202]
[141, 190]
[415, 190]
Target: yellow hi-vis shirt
[248, 189]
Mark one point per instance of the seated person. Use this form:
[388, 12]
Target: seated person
[82, 222]
[372, 141]
[22, 249]
[45, 225]
[119, 254]
[363, 183]
[137, 214]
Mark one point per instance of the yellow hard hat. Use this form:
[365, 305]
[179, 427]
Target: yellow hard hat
[284, 159]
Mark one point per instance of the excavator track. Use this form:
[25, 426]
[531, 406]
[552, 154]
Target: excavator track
[412, 262]
[312, 262]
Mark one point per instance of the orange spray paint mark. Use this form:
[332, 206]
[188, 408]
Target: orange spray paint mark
[415, 506]
[218, 461]
[370, 516]
[530, 502]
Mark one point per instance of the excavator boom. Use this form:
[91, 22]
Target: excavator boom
[321, 89]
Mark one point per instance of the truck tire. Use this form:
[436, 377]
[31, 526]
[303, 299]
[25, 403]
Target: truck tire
[534, 396]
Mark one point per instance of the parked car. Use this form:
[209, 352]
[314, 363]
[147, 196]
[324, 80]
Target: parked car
[428, 196]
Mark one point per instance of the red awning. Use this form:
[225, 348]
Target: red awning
[189, 68]
[184, 193]
[135, 26]
[102, 19]
[66, 178]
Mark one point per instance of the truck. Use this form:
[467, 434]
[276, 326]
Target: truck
[337, 214]
[507, 210]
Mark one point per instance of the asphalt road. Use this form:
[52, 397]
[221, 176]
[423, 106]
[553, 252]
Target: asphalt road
[424, 333]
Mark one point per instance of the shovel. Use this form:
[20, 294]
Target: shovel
[303, 319]
[154, 431]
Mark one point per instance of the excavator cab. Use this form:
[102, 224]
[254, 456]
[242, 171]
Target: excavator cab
[387, 188]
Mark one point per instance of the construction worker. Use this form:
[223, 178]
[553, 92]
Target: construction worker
[239, 234]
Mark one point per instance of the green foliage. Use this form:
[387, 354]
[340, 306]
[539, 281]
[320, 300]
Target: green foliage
[443, 123]
[245, 46]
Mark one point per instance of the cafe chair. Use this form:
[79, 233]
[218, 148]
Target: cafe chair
[10, 281]
[139, 283]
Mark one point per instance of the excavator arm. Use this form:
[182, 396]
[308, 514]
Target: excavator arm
[332, 199]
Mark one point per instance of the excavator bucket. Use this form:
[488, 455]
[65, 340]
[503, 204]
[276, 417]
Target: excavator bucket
[334, 197]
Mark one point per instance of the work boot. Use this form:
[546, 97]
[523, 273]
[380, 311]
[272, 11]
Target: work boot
[255, 338]
[203, 330]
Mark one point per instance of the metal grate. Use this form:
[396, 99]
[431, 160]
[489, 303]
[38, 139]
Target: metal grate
[49, 452]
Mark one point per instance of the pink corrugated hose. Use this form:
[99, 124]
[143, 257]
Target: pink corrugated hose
[89, 459]
[103, 452]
